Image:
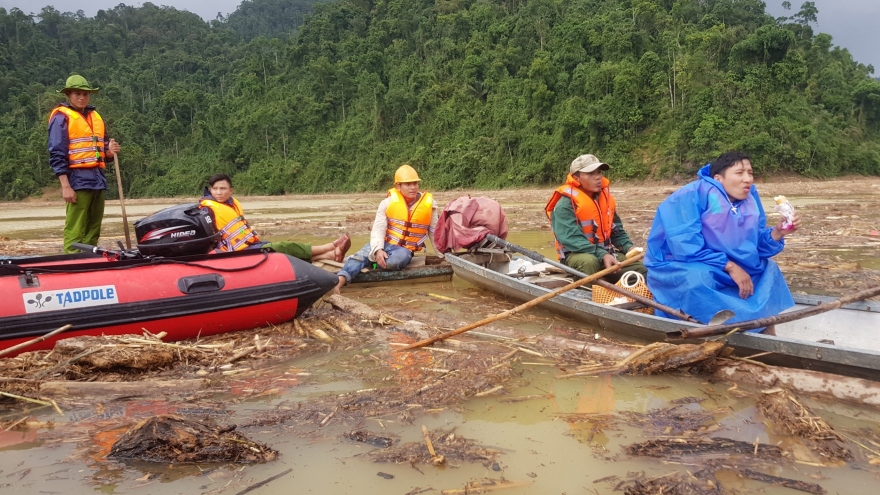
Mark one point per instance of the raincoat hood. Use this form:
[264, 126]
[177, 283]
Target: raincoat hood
[703, 174]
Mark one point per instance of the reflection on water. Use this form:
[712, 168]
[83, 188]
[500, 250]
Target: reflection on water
[540, 440]
[538, 443]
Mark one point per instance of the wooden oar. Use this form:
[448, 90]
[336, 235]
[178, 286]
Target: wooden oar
[521, 307]
[608, 285]
[122, 202]
[689, 333]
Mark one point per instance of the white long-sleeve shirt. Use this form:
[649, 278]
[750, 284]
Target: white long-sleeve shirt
[380, 226]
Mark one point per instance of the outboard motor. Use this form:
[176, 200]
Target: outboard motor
[180, 230]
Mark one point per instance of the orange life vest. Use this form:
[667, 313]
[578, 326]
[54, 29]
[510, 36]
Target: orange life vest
[408, 227]
[596, 218]
[86, 138]
[235, 233]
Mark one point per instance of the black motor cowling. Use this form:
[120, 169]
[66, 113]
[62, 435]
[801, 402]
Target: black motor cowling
[180, 230]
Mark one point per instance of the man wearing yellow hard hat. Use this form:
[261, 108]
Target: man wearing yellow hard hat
[405, 220]
[78, 150]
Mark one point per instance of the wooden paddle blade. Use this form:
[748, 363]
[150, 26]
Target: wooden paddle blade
[721, 316]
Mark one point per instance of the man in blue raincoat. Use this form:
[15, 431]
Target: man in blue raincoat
[709, 248]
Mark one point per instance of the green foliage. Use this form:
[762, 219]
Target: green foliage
[302, 96]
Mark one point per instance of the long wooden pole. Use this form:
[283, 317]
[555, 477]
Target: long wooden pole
[521, 307]
[681, 315]
[689, 333]
[36, 340]
[122, 201]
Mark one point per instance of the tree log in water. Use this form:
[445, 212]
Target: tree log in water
[659, 357]
[108, 390]
[678, 447]
[174, 439]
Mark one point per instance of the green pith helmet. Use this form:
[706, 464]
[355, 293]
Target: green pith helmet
[77, 82]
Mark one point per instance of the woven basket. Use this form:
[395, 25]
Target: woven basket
[601, 295]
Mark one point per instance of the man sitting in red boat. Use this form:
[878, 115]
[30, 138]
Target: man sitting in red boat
[236, 234]
[404, 221]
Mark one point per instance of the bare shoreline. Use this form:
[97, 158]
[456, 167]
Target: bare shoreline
[836, 251]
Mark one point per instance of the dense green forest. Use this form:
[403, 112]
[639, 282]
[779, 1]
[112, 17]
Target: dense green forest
[301, 96]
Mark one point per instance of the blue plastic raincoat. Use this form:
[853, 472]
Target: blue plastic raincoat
[695, 232]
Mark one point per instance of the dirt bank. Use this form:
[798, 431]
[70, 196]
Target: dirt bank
[837, 250]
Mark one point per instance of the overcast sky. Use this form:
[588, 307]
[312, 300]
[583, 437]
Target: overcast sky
[852, 23]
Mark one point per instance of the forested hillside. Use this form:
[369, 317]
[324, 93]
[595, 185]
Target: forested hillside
[473, 93]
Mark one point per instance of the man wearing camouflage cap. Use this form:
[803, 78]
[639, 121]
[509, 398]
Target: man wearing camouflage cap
[78, 150]
[583, 215]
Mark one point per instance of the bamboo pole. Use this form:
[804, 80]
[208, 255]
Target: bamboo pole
[49, 402]
[437, 460]
[602, 283]
[647, 302]
[122, 202]
[35, 341]
[485, 486]
[689, 333]
[428, 442]
[521, 307]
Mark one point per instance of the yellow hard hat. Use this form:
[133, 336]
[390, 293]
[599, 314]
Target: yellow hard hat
[405, 173]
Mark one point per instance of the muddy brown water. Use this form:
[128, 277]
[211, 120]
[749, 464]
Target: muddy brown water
[537, 445]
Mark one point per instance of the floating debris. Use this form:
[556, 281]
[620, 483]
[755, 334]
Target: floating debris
[484, 486]
[365, 436]
[790, 416]
[174, 439]
[675, 483]
[657, 358]
[786, 482]
[678, 447]
[445, 443]
[416, 387]
[131, 358]
[672, 421]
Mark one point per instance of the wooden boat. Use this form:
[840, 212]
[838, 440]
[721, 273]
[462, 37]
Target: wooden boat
[844, 341]
[184, 296]
[421, 269]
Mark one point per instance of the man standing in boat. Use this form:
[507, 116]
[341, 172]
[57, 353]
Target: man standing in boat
[406, 218]
[583, 215]
[78, 151]
[236, 234]
[709, 248]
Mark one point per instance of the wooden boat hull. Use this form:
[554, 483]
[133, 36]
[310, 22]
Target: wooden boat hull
[184, 297]
[422, 269]
[855, 351]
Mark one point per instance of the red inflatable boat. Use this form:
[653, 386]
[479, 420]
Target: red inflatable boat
[185, 296]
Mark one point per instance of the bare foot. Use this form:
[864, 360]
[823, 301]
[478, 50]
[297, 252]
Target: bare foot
[337, 290]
